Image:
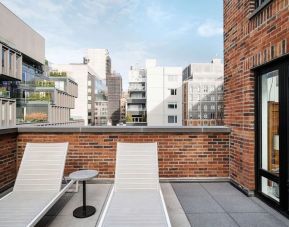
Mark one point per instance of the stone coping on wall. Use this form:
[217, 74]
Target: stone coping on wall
[8, 130]
[123, 129]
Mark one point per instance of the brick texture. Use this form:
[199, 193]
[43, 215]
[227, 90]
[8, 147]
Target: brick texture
[248, 42]
[180, 154]
[8, 144]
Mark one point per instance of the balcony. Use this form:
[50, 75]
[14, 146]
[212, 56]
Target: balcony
[4, 93]
[136, 100]
[194, 169]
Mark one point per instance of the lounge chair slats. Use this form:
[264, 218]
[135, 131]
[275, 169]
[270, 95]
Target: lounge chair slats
[136, 198]
[37, 186]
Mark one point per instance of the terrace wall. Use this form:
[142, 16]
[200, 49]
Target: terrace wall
[8, 170]
[183, 153]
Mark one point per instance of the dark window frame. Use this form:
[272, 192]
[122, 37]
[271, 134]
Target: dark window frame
[282, 66]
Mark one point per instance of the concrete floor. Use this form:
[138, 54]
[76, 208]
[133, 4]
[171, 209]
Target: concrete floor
[188, 204]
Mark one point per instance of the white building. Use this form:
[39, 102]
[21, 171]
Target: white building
[203, 94]
[136, 102]
[99, 61]
[164, 95]
[86, 79]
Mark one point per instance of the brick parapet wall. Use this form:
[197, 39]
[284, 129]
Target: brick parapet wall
[8, 146]
[181, 155]
[249, 41]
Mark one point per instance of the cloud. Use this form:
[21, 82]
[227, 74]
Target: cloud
[210, 28]
[157, 14]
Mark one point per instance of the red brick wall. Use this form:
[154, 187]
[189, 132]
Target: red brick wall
[8, 145]
[180, 154]
[248, 43]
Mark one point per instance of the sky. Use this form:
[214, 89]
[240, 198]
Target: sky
[175, 32]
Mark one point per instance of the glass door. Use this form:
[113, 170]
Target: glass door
[272, 116]
[270, 109]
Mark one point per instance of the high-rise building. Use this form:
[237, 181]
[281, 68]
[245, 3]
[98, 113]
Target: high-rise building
[40, 98]
[164, 95]
[136, 101]
[86, 80]
[100, 62]
[114, 88]
[123, 106]
[203, 94]
[101, 104]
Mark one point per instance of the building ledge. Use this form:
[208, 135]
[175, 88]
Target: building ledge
[8, 130]
[125, 129]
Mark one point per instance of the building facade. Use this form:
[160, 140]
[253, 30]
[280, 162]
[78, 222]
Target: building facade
[86, 79]
[136, 101]
[123, 106]
[28, 94]
[164, 95]
[203, 94]
[100, 62]
[101, 104]
[256, 97]
[114, 93]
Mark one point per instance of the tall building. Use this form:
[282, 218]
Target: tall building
[256, 96]
[123, 106]
[136, 101]
[100, 62]
[86, 79]
[164, 95]
[23, 78]
[203, 94]
[101, 104]
[114, 93]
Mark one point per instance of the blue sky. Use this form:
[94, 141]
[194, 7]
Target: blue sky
[175, 32]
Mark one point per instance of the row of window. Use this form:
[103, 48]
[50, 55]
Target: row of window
[206, 88]
[218, 115]
[199, 97]
[207, 107]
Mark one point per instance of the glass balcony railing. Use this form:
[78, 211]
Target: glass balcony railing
[39, 97]
[45, 84]
[4, 94]
[136, 89]
[58, 74]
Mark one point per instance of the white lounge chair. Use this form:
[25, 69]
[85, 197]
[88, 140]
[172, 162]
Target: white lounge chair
[136, 198]
[38, 185]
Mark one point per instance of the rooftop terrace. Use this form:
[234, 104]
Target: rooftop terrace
[194, 170]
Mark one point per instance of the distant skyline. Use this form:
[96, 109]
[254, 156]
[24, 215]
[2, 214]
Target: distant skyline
[174, 32]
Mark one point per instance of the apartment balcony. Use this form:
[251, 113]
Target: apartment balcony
[4, 93]
[136, 111]
[136, 89]
[136, 101]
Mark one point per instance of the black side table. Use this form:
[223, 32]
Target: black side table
[83, 175]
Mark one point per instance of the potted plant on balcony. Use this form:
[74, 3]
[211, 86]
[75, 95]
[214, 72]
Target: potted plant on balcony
[36, 117]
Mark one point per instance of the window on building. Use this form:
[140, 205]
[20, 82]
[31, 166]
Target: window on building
[259, 3]
[205, 107]
[213, 107]
[3, 56]
[173, 91]
[172, 106]
[205, 88]
[172, 119]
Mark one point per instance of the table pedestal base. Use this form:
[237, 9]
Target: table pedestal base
[84, 212]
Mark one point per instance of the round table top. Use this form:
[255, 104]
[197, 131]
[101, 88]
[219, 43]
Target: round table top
[83, 175]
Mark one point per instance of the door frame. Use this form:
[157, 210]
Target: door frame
[282, 65]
